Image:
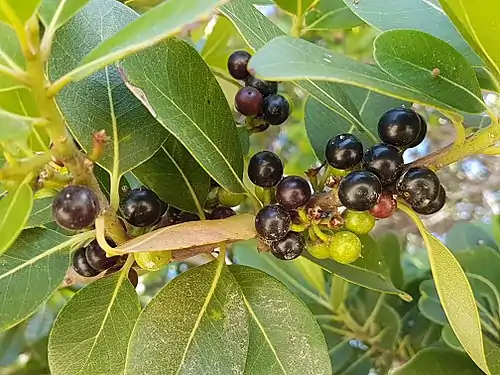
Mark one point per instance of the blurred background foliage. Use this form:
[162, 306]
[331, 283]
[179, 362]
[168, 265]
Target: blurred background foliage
[367, 332]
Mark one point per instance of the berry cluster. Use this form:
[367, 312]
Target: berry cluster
[258, 98]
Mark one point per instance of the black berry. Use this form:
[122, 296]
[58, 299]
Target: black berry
[75, 207]
[81, 265]
[434, 205]
[360, 190]
[385, 207]
[237, 64]
[266, 88]
[265, 169]
[289, 247]
[221, 212]
[385, 161]
[133, 277]
[418, 186]
[275, 109]
[142, 207]
[272, 222]
[344, 151]
[293, 192]
[96, 257]
[248, 101]
[399, 127]
[422, 134]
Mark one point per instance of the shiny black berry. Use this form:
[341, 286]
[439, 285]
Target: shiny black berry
[293, 192]
[422, 134]
[96, 257]
[265, 169]
[272, 222]
[289, 247]
[81, 265]
[237, 64]
[399, 127]
[360, 190]
[248, 101]
[142, 207]
[434, 205]
[266, 88]
[221, 212]
[275, 109]
[75, 207]
[418, 186]
[344, 151]
[385, 161]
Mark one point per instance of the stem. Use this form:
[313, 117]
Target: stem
[25, 166]
[456, 120]
[267, 196]
[338, 331]
[19, 76]
[297, 23]
[319, 233]
[48, 36]
[222, 254]
[374, 313]
[216, 72]
[102, 230]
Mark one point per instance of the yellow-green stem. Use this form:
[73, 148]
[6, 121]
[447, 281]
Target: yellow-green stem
[25, 166]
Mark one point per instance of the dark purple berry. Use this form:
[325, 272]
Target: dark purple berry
[275, 109]
[385, 161]
[265, 169]
[248, 101]
[293, 192]
[266, 88]
[221, 212]
[272, 223]
[75, 207]
[81, 265]
[399, 127]
[289, 247]
[422, 134]
[237, 64]
[142, 207]
[434, 205]
[418, 186]
[344, 151]
[359, 190]
[133, 277]
[96, 257]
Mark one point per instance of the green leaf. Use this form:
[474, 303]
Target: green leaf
[23, 10]
[439, 361]
[10, 54]
[49, 8]
[426, 16]
[456, 84]
[187, 326]
[331, 15]
[30, 272]
[479, 26]
[429, 304]
[103, 101]
[15, 209]
[168, 18]
[370, 271]
[176, 177]
[12, 344]
[390, 245]
[450, 338]
[14, 127]
[470, 235]
[289, 59]
[297, 7]
[278, 344]
[91, 333]
[41, 213]
[203, 123]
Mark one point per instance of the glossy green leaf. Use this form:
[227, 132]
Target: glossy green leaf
[331, 15]
[30, 272]
[456, 84]
[450, 338]
[469, 235]
[10, 54]
[23, 10]
[103, 101]
[439, 361]
[175, 176]
[15, 209]
[257, 30]
[14, 126]
[370, 271]
[203, 123]
[422, 15]
[49, 8]
[297, 7]
[91, 333]
[481, 261]
[41, 213]
[492, 353]
[278, 344]
[168, 18]
[429, 304]
[479, 26]
[390, 245]
[187, 327]
[289, 59]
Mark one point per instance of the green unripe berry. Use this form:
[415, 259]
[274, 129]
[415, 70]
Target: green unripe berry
[226, 198]
[345, 247]
[359, 222]
[153, 260]
[319, 251]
